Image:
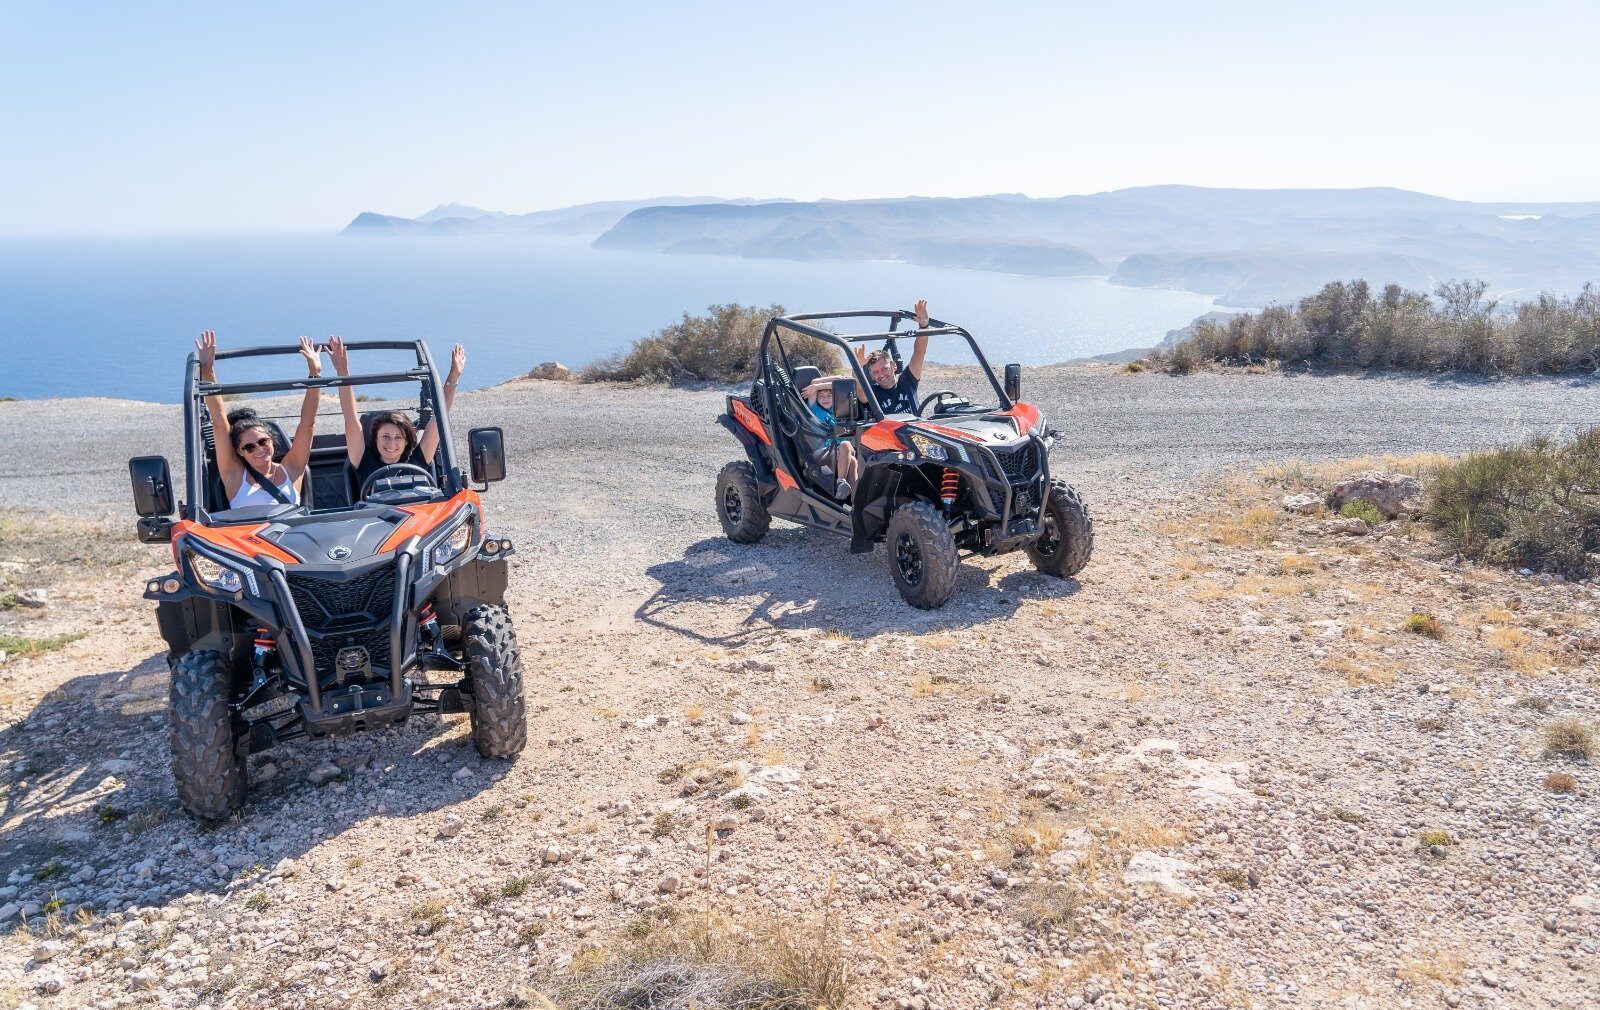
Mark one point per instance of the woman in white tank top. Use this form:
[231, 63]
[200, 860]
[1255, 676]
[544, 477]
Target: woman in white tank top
[251, 441]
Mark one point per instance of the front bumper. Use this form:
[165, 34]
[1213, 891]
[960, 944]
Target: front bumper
[372, 688]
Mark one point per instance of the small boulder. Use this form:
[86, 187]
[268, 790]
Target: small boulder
[450, 826]
[324, 773]
[1393, 494]
[35, 598]
[554, 371]
[1304, 504]
[1348, 527]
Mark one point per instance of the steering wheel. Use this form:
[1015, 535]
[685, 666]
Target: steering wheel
[935, 396]
[383, 473]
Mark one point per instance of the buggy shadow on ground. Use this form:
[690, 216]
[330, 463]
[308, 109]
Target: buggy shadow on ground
[799, 580]
[90, 819]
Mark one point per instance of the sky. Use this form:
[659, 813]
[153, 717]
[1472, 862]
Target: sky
[187, 118]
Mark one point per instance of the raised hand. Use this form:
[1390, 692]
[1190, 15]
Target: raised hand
[308, 351]
[458, 363]
[339, 355]
[206, 350]
[921, 309]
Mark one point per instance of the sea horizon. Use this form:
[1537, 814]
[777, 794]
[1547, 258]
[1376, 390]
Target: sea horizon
[115, 316]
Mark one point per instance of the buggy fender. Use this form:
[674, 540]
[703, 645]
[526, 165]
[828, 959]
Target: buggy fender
[474, 584]
[874, 503]
[752, 448]
[195, 622]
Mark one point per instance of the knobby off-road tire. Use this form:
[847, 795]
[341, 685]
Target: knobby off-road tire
[744, 515]
[494, 667]
[209, 772]
[1064, 547]
[922, 555]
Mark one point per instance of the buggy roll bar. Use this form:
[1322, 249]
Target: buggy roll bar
[353, 345]
[287, 385]
[196, 391]
[936, 328]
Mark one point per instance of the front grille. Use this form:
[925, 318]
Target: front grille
[375, 640]
[327, 606]
[1020, 464]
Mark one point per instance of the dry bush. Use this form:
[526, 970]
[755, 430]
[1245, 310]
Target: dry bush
[1457, 328]
[709, 961]
[1569, 738]
[1560, 782]
[718, 346]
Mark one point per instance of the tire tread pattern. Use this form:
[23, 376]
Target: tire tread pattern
[1075, 528]
[209, 772]
[939, 557]
[499, 711]
[754, 519]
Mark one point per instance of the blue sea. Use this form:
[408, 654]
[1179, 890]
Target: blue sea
[108, 317]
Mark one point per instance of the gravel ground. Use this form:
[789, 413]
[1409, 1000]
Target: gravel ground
[1203, 774]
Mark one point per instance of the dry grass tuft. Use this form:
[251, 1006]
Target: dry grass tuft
[711, 961]
[1432, 966]
[1518, 651]
[1569, 738]
[1423, 624]
[1300, 476]
[1297, 564]
[1360, 673]
[1046, 906]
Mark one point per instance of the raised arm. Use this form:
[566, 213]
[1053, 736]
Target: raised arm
[430, 434]
[299, 455]
[919, 348]
[355, 441]
[228, 465]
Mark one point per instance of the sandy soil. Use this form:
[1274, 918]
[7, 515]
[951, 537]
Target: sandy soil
[1203, 774]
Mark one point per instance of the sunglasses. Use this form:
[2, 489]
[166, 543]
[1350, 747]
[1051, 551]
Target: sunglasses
[253, 446]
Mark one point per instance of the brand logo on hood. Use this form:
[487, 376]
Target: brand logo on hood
[338, 553]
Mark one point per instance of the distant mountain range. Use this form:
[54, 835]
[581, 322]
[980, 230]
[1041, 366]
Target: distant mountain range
[458, 219]
[1247, 247]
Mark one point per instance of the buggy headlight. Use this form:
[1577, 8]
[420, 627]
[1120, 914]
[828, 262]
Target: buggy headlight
[929, 448]
[454, 543]
[219, 577]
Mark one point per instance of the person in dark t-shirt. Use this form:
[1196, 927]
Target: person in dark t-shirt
[896, 390]
[392, 437]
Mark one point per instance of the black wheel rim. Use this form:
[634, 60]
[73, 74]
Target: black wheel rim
[908, 559]
[732, 504]
[1050, 539]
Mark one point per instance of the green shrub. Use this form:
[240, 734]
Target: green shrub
[719, 346]
[1364, 510]
[1535, 505]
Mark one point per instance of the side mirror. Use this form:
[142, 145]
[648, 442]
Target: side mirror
[844, 407]
[1013, 382]
[487, 449]
[152, 486]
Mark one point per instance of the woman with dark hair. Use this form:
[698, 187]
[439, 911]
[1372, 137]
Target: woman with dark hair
[250, 476]
[392, 437]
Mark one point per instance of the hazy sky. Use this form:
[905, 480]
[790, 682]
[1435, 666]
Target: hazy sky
[145, 117]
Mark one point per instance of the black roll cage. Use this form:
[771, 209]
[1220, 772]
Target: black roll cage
[798, 324]
[196, 390]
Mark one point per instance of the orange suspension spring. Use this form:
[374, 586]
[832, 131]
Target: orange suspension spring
[950, 488]
[264, 640]
[426, 614]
